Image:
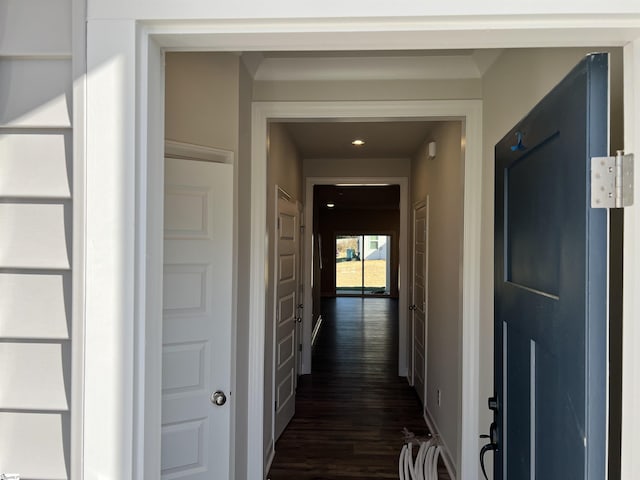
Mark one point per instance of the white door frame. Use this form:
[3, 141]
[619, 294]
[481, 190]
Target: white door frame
[307, 320]
[123, 139]
[470, 112]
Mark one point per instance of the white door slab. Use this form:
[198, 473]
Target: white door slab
[197, 312]
[286, 313]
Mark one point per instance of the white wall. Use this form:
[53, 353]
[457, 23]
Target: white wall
[441, 178]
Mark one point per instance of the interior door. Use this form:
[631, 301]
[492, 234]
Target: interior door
[286, 313]
[551, 286]
[418, 305]
[196, 330]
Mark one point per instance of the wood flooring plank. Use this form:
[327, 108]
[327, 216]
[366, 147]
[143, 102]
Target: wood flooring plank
[351, 411]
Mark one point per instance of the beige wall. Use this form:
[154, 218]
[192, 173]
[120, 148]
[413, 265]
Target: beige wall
[367, 90]
[357, 167]
[243, 219]
[202, 98]
[510, 88]
[284, 169]
[208, 102]
[441, 179]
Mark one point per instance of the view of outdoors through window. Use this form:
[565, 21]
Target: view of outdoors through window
[363, 264]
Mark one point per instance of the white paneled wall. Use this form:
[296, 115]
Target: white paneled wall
[35, 237]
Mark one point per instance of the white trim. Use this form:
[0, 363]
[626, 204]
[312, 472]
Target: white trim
[190, 151]
[307, 339]
[78, 278]
[468, 110]
[445, 452]
[108, 304]
[631, 281]
[270, 455]
[316, 331]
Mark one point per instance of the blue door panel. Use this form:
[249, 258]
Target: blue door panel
[551, 286]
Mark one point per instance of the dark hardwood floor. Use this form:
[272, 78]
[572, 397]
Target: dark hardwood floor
[351, 411]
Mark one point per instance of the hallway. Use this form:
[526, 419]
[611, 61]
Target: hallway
[351, 411]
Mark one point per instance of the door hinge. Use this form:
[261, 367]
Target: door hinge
[300, 347]
[612, 181]
[278, 223]
[275, 406]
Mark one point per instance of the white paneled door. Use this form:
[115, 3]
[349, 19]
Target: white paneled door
[286, 312]
[196, 351]
[418, 302]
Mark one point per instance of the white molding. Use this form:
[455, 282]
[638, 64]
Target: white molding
[190, 151]
[316, 331]
[445, 452]
[631, 281]
[400, 33]
[468, 110]
[78, 278]
[270, 455]
[106, 451]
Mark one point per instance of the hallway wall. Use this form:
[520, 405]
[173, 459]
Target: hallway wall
[284, 168]
[441, 179]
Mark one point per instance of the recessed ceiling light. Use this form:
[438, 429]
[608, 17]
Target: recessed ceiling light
[331, 205]
[358, 142]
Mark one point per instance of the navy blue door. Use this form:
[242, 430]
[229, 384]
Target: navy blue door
[551, 286]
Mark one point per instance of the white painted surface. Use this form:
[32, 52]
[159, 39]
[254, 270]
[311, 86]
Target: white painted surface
[285, 313]
[34, 444]
[110, 223]
[35, 379]
[36, 164]
[419, 300]
[631, 286]
[35, 235]
[35, 305]
[528, 31]
[197, 309]
[246, 9]
[40, 92]
[35, 27]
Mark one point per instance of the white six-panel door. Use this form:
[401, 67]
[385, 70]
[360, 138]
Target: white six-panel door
[286, 312]
[197, 309]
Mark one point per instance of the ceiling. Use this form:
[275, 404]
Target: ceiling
[388, 139]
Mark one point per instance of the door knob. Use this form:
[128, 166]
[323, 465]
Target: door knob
[412, 307]
[218, 398]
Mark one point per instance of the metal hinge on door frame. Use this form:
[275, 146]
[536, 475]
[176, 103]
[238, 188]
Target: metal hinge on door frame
[612, 181]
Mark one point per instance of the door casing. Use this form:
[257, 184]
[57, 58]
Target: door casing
[135, 126]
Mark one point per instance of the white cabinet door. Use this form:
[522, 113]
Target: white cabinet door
[197, 309]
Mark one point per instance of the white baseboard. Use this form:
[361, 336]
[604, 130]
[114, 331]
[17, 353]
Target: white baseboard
[445, 453]
[271, 452]
[316, 330]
